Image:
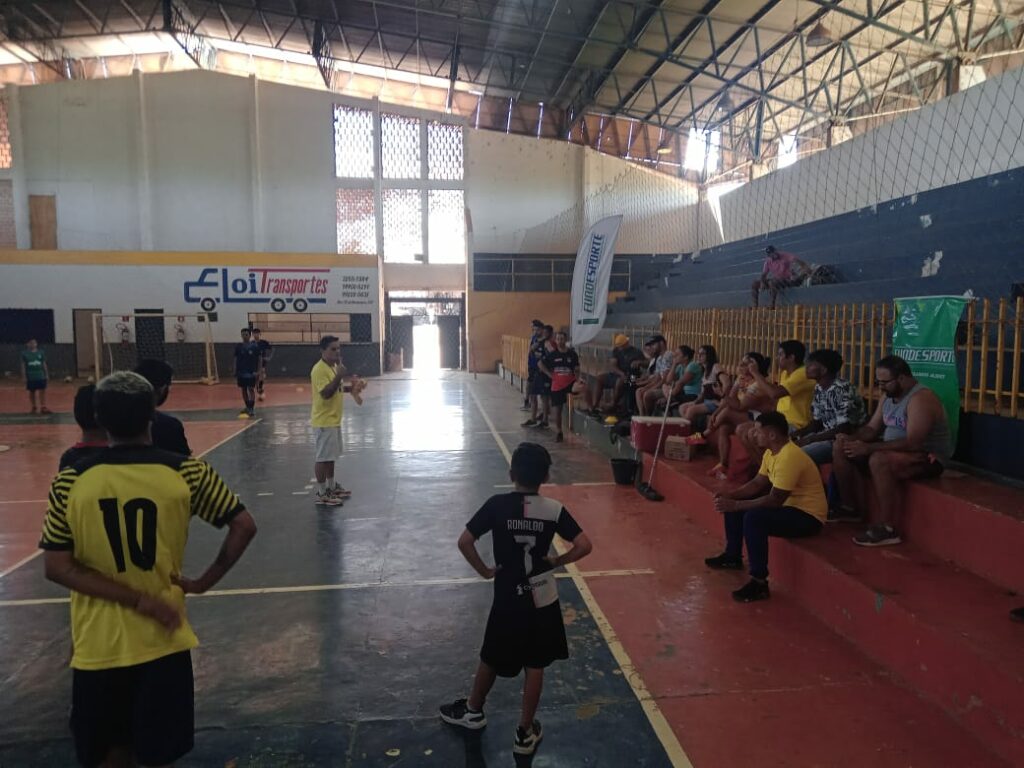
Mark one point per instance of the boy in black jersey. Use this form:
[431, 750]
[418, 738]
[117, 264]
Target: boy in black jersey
[266, 351]
[525, 628]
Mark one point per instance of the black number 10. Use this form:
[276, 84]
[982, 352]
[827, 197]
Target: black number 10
[142, 554]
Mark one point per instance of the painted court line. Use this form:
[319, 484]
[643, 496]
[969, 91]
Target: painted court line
[340, 587]
[213, 447]
[664, 732]
[25, 501]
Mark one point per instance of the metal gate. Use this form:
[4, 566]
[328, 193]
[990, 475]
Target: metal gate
[402, 313]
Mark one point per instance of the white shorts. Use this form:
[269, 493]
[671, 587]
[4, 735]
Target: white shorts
[328, 443]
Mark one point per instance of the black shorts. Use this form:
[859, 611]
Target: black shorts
[540, 385]
[146, 707]
[35, 385]
[245, 381]
[523, 636]
[559, 398]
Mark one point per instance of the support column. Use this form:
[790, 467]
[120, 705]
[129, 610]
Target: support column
[142, 158]
[19, 182]
[256, 161]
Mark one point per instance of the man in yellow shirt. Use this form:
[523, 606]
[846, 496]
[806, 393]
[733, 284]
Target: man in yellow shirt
[328, 390]
[786, 499]
[793, 394]
[114, 534]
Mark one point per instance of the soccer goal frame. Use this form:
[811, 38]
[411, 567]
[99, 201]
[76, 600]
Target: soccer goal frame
[185, 341]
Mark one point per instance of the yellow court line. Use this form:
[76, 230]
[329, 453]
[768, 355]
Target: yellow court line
[664, 732]
[339, 587]
[38, 552]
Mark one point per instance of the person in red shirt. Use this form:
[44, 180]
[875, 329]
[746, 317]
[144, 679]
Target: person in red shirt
[780, 270]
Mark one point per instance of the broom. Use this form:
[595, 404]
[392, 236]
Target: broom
[647, 489]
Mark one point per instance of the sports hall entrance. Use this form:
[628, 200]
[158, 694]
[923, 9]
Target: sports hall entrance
[425, 330]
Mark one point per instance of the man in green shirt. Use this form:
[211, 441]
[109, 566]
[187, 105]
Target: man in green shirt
[33, 366]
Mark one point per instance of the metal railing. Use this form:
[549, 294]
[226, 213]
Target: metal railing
[989, 343]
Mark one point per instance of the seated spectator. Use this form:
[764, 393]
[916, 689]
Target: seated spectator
[785, 499]
[624, 361]
[168, 433]
[648, 394]
[780, 270]
[907, 438]
[682, 385]
[792, 395]
[836, 408]
[745, 401]
[714, 385]
[94, 437]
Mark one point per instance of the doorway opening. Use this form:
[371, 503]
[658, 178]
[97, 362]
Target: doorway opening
[426, 330]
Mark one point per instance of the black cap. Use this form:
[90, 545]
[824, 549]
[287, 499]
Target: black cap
[655, 339]
[538, 324]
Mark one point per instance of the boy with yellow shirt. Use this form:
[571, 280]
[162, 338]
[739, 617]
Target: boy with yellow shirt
[785, 499]
[328, 388]
[114, 534]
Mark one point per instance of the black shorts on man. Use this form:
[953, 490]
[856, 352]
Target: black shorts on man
[148, 708]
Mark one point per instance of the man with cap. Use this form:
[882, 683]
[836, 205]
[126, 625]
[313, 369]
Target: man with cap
[780, 270]
[624, 361]
[648, 394]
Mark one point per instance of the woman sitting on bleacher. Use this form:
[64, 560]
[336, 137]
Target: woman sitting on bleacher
[745, 401]
[713, 385]
[682, 385]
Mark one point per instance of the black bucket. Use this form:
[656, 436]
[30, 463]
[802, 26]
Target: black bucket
[625, 471]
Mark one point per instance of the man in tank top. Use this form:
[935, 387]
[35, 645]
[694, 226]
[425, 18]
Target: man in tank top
[907, 438]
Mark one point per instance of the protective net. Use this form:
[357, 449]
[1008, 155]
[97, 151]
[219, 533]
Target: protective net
[183, 341]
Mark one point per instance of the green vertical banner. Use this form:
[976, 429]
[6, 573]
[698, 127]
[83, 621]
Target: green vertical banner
[925, 336]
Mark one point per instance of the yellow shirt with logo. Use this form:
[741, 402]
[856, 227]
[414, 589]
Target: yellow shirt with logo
[796, 406]
[793, 470]
[326, 412]
[125, 513]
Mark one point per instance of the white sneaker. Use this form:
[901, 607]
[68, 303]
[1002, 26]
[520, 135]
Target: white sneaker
[327, 500]
[527, 740]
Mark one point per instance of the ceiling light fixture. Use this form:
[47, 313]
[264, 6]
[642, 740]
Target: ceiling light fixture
[819, 36]
[725, 103]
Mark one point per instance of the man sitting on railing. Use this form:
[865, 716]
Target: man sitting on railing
[624, 360]
[907, 438]
[780, 270]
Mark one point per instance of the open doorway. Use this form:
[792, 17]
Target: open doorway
[426, 331]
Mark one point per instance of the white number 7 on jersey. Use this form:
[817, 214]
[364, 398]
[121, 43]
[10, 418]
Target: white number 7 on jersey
[528, 543]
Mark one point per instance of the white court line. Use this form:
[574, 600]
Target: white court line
[591, 483]
[265, 493]
[25, 501]
[662, 729]
[300, 493]
[338, 587]
[213, 447]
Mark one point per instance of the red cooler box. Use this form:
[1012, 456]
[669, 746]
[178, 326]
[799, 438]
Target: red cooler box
[643, 431]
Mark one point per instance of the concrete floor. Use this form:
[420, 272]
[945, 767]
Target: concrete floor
[338, 634]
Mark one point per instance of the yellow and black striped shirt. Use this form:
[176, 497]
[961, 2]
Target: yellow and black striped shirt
[125, 512]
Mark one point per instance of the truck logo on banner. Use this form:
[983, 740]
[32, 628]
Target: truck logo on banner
[278, 288]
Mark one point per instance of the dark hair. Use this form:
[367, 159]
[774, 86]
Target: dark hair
[897, 366]
[549, 328]
[530, 464]
[85, 411]
[256, 330]
[794, 348]
[763, 363]
[247, 329]
[156, 372]
[687, 351]
[656, 339]
[770, 249]
[774, 420]
[326, 341]
[829, 358]
[712, 355]
[124, 404]
[537, 324]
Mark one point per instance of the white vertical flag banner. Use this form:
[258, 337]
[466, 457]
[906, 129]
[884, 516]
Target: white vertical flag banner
[590, 280]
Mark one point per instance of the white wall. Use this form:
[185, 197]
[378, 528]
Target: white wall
[514, 183]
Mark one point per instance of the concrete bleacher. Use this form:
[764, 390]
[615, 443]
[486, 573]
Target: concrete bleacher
[933, 611]
[879, 252]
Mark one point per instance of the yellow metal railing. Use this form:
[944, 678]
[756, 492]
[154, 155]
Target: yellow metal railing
[513, 354]
[989, 342]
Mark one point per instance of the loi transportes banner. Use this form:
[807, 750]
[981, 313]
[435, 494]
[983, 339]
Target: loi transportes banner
[925, 336]
[590, 280]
